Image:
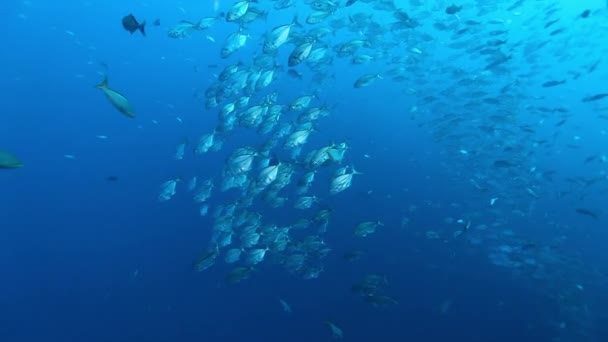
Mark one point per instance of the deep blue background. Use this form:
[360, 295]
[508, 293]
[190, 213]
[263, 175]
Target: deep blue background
[70, 241]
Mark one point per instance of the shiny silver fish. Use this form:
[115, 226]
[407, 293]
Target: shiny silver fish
[366, 80]
[299, 54]
[278, 36]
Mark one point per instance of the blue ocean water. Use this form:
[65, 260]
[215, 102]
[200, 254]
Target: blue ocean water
[85, 258]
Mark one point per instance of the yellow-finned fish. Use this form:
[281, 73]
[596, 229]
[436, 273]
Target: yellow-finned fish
[118, 100]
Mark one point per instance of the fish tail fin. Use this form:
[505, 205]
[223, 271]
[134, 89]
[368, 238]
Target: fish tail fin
[103, 84]
[295, 21]
[355, 172]
[142, 28]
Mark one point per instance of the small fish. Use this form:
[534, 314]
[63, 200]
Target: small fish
[595, 97]
[206, 260]
[453, 9]
[350, 2]
[112, 178]
[238, 274]
[336, 332]
[295, 74]
[352, 255]
[587, 212]
[279, 36]
[550, 23]
[116, 99]
[237, 11]
[466, 227]
[549, 84]
[285, 306]
[131, 24]
[380, 301]
[299, 54]
[156, 22]
[366, 80]
[503, 163]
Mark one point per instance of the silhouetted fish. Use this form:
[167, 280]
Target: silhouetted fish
[549, 84]
[130, 24]
[453, 9]
[595, 97]
[294, 74]
[587, 212]
[503, 163]
[112, 178]
[156, 22]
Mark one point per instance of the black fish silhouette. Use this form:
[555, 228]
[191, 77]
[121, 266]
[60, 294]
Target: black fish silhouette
[130, 24]
[453, 9]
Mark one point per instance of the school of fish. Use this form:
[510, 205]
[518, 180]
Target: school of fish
[486, 67]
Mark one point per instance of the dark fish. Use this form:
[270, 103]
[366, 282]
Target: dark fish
[156, 22]
[549, 84]
[130, 24]
[585, 14]
[465, 227]
[497, 32]
[549, 24]
[527, 129]
[503, 163]
[593, 66]
[461, 31]
[497, 62]
[401, 15]
[586, 212]
[595, 97]
[350, 2]
[294, 73]
[112, 178]
[515, 5]
[558, 31]
[380, 301]
[453, 9]
[352, 255]
[528, 245]
[589, 159]
[496, 42]
[238, 274]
